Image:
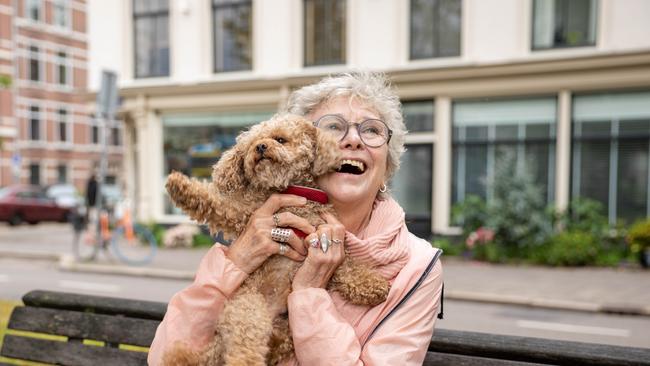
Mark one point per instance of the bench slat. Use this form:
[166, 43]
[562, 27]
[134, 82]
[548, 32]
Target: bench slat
[96, 304]
[448, 359]
[65, 353]
[540, 350]
[107, 328]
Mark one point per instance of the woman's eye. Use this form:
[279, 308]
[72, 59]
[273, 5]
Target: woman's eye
[280, 140]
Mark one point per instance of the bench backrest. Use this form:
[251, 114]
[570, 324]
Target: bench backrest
[118, 322]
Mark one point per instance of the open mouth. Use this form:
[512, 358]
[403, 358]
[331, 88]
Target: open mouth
[352, 167]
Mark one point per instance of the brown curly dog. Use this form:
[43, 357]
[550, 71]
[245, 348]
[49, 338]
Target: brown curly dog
[294, 153]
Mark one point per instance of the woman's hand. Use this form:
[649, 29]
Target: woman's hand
[319, 266]
[255, 245]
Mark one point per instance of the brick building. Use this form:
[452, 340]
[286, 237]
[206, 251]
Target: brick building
[48, 131]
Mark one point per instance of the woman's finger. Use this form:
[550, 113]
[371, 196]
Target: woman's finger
[289, 252]
[287, 219]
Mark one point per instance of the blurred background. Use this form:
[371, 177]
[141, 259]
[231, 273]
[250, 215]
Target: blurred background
[529, 144]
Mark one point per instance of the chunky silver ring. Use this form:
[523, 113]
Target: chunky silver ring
[283, 249]
[324, 242]
[337, 241]
[314, 243]
[276, 220]
[280, 235]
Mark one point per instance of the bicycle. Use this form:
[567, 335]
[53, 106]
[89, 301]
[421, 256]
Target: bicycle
[131, 242]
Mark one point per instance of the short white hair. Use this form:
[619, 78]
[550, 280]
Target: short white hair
[372, 89]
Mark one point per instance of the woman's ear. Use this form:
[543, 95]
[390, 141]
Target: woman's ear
[228, 172]
[326, 153]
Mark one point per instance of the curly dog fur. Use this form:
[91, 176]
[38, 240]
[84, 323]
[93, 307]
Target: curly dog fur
[285, 150]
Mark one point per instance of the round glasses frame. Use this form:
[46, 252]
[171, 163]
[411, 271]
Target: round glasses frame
[358, 126]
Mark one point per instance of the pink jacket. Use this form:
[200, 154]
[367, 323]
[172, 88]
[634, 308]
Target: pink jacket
[326, 330]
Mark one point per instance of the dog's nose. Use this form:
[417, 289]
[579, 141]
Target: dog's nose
[261, 148]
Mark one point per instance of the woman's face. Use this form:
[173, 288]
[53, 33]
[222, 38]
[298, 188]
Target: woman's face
[346, 187]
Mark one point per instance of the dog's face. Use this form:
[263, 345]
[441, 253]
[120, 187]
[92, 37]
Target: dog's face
[284, 150]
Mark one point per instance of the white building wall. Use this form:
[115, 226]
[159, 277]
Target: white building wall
[106, 33]
[625, 24]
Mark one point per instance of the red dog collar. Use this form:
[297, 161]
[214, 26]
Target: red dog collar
[311, 194]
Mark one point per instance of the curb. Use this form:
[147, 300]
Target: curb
[33, 255]
[68, 263]
[619, 309]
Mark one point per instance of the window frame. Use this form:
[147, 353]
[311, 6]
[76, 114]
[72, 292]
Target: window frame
[35, 116]
[230, 4]
[436, 54]
[28, 6]
[344, 37]
[34, 53]
[533, 47]
[66, 63]
[134, 21]
[66, 11]
[63, 119]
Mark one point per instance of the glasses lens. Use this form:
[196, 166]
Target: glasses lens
[333, 125]
[373, 132]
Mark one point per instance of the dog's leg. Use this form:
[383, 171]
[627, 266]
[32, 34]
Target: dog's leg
[245, 328]
[359, 284]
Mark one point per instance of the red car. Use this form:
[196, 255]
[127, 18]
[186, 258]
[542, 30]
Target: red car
[25, 203]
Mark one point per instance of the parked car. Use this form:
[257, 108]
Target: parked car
[27, 203]
[65, 195]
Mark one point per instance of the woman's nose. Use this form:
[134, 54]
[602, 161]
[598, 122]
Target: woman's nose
[352, 138]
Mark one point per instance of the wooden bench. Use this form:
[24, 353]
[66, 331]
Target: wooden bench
[117, 322]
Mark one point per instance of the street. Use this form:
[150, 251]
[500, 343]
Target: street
[18, 276]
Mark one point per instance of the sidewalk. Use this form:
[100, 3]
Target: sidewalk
[625, 291]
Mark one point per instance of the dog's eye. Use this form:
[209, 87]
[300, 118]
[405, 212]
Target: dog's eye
[280, 140]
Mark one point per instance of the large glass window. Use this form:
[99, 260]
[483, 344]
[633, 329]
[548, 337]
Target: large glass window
[486, 131]
[325, 32]
[411, 187]
[611, 152]
[564, 23]
[435, 28]
[232, 35]
[418, 116]
[193, 143]
[62, 121]
[151, 47]
[63, 66]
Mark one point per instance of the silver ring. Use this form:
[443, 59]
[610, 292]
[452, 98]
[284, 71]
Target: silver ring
[280, 235]
[324, 242]
[283, 249]
[276, 220]
[314, 243]
[337, 241]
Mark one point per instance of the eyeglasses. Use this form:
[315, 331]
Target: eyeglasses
[373, 132]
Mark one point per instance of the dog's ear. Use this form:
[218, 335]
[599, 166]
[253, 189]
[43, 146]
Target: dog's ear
[228, 172]
[326, 153]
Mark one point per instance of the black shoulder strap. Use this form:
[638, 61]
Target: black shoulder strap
[424, 275]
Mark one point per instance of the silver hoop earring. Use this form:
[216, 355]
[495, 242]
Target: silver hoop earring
[383, 188]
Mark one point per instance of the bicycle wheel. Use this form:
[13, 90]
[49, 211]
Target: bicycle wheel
[85, 245]
[139, 250]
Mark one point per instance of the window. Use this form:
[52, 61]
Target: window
[34, 63]
[412, 187]
[564, 23]
[486, 131]
[61, 16]
[115, 136]
[94, 134]
[34, 123]
[232, 35]
[151, 44]
[63, 74]
[62, 122]
[62, 173]
[435, 28]
[418, 116]
[324, 32]
[192, 143]
[611, 152]
[34, 174]
[33, 9]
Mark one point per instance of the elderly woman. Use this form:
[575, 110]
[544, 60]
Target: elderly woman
[363, 113]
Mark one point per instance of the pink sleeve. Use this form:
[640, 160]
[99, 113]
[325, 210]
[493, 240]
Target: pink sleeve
[322, 337]
[192, 312]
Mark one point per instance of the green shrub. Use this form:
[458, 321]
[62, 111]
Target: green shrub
[449, 247]
[472, 213]
[638, 237]
[569, 248]
[202, 240]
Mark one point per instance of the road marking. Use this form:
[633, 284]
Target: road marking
[571, 328]
[4, 278]
[89, 286]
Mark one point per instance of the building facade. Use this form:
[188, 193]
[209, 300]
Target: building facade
[563, 86]
[48, 131]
